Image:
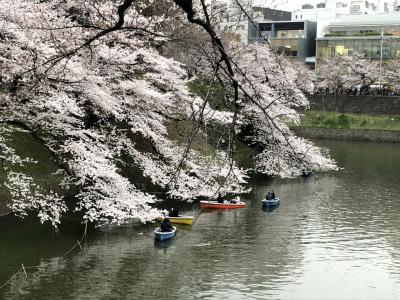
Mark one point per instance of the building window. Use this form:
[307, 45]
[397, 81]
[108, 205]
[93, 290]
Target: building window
[339, 50]
[307, 6]
[355, 9]
[375, 52]
[370, 48]
[290, 33]
[286, 47]
[282, 34]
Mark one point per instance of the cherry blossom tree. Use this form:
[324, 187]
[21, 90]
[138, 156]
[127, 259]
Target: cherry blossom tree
[347, 72]
[89, 81]
[391, 72]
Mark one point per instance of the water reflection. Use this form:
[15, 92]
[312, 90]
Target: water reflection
[269, 208]
[332, 238]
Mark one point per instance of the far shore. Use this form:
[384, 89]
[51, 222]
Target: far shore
[365, 135]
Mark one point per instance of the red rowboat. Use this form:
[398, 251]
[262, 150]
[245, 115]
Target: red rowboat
[225, 205]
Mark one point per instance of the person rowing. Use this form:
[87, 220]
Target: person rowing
[166, 226]
[270, 195]
[220, 199]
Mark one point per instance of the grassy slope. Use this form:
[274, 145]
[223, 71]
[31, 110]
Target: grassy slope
[320, 119]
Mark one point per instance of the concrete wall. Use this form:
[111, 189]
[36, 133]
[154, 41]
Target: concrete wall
[372, 105]
[349, 134]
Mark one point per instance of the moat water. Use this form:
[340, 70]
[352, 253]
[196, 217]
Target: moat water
[335, 238]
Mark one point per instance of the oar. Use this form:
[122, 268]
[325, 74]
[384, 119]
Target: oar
[195, 219]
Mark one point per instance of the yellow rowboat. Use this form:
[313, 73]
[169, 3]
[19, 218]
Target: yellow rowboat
[188, 220]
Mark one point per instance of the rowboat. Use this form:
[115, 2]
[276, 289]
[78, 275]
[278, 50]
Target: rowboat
[188, 220]
[270, 203]
[306, 173]
[162, 236]
[225, 205]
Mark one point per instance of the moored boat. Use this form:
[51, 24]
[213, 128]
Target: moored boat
[188, 220]
[225, 205]
[270, 202]
[162, 236]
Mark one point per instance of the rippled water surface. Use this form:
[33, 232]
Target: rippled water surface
[336, 238]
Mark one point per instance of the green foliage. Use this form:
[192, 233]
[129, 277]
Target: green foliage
[343, 121]
[199, 86]
[207, 145]
[44, 171]
[354, 121]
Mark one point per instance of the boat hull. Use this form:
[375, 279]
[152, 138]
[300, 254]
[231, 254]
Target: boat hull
[270, 203]
[187, 220]
[162, 236]
[216, 205]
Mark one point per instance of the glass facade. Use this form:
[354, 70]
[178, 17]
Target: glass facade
[290, 33]
[394, 31]
[286, 47]
[293, 39]
[339, 30]
[370, 47]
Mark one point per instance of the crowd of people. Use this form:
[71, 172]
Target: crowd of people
[359, 90]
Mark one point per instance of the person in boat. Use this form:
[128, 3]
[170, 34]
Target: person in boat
[174, 212]
[268, 196]
[164, 212]
[220, 199]
[272, 195]
[306, 172]
[166, 226]
[236, 200]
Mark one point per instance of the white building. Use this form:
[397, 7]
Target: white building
[327, 11]
[237, 20]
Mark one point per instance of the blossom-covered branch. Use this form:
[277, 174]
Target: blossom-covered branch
[91, 78]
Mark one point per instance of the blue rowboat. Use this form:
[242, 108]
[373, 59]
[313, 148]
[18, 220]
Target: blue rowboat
[162, 236]
[271, 203]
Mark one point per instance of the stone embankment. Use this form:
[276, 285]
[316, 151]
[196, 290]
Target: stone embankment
[366, 135]
[363, 104]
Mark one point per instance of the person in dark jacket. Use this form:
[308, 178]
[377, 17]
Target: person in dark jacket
[166, 225]
[174, 212]
[268, 196]
[220, 199]
[272, 195]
